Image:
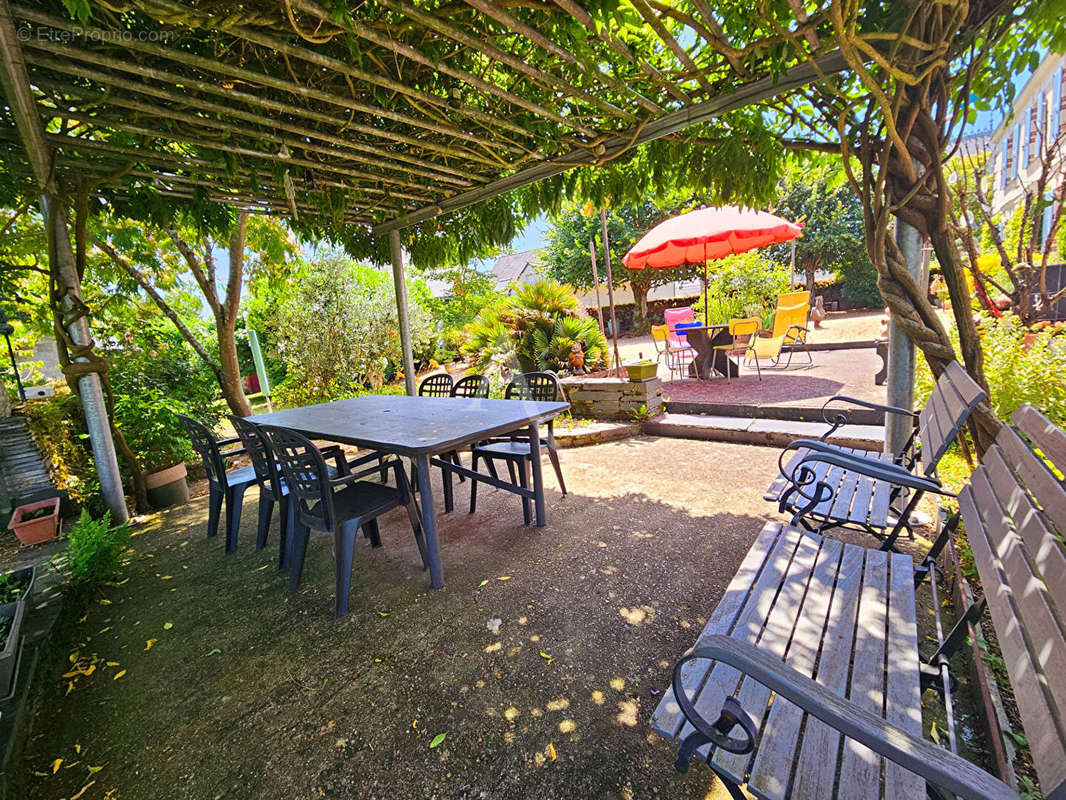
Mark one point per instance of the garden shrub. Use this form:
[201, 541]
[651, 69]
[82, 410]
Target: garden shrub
[94, 550]
[534, 330]
[58, 428]
[743, 285]
[1022, 365]
[337, 331]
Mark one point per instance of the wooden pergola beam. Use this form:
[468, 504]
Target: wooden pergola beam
[190, 16]
[612, 146]
[219, 67]
[405, 50]
[276, 108]
[491, 9]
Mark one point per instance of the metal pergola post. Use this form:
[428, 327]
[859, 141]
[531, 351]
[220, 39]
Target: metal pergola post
[401, 309]
[16, 86]
[901, 355]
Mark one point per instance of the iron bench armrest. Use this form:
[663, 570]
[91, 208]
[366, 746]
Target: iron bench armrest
[879, 470]
[936, 765]
[842, 416]
[820, 446]
[806, 484]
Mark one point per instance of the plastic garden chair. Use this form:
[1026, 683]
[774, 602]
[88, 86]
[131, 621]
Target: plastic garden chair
[272, 487]
[439, 385]
[339, 506]
[515, 450]
[742, 330]
[223, 487]
[470, 386]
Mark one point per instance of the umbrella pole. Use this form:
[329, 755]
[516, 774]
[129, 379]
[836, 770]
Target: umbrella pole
[706, 306]
[596, 281]
[610, 288]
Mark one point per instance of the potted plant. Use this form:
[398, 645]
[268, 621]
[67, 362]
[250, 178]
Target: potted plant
[159, 443]
[34, 523]
[643, 370]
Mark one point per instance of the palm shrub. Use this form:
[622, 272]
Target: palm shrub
[535, 329]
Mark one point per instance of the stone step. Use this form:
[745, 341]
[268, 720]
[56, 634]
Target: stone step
[768, 432]
[790, 413]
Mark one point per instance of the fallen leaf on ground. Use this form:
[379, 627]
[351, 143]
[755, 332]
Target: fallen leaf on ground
[168, 625]
[104, 601]
[213, 652]
[119, 674]
[148, 645]
[94, 770]
[56, 765]
[437, 740]
[483, 583]
[261, 568]
[112, 663]
[551, 751]
[504, 578]
[383, 613]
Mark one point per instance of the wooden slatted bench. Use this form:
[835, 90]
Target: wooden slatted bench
[806, 681]
[855, 498]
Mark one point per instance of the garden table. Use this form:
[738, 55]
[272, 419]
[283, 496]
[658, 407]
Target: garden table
[703, 340]
[418, 428]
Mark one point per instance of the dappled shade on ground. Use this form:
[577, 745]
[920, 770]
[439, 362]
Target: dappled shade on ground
[253, 692]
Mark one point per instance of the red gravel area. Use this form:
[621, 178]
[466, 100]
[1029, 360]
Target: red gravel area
[849, 372]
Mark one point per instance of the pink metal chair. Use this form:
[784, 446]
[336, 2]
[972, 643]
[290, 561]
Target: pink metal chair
[672, 316]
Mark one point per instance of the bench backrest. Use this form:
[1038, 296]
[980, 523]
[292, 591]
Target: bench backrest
[1015, 514]
[950, 404]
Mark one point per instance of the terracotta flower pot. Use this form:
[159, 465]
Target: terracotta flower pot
[167, 487]
[41, 529]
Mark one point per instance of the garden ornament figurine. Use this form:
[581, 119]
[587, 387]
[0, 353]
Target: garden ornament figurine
[577, 359]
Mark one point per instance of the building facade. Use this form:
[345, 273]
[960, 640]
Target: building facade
[1021, 141]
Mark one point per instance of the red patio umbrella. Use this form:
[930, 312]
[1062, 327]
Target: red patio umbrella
[706, 234]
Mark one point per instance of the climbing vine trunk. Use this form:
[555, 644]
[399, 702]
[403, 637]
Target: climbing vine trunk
[226, 323]
[914, 114]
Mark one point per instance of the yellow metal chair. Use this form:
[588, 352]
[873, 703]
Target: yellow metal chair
[743, 330]
[674, 356]
[790, 322]
[764, 347]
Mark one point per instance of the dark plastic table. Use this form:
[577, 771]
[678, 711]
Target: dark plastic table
[706, 359]
[418, 428]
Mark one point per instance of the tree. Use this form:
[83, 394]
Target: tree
[1023, 245]
[815, 192]
[337, 330]
[160, 263]
[568, 258]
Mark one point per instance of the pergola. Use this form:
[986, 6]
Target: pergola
[391, 117]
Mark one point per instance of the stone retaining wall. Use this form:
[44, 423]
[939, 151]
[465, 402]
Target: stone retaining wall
[612, 398]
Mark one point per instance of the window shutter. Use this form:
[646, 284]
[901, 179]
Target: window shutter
[1024, 157]
[1056, 104]
[1004, 163]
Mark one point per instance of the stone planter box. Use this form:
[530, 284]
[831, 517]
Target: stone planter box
[612, 398]
[41, 529]
[10, 650]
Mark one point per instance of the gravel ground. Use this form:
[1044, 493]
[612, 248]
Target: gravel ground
[214, 681]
